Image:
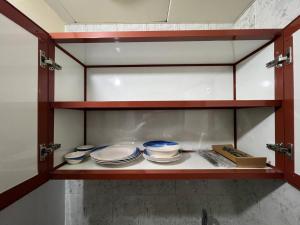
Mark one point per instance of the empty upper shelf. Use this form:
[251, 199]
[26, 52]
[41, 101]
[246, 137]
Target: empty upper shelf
[164, 47]
[167, 104]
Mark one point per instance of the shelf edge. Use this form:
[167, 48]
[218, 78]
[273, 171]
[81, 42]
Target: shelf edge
[166, 104]
[168, 174]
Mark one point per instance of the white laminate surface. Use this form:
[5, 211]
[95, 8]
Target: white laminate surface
[69, 82]
[18, 104]
[296, 48]
[68, 131]
[193, 129]
[160, 83]
[175, 52]
[253, 80]
[255, 129]
[190, 161]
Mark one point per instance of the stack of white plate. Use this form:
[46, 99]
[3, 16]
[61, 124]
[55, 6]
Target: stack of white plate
[115, 154]
[162, 151]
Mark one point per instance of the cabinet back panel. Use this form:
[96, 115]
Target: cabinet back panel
[193, 129]
[173, 52]
[160, 83]
[253, 79]
[18, 104]
[296, 47]
[69, 82]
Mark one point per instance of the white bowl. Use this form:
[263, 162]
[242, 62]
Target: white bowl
[164, 148]
[74, 157]
[161, 145]
[162, 153]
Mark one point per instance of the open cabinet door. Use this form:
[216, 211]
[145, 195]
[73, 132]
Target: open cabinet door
[292, 100]
[24, 105]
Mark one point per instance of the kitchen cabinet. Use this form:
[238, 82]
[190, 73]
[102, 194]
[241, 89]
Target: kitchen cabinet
[198, 87]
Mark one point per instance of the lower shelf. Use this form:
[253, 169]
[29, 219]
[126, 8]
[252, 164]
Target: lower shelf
[193, 166]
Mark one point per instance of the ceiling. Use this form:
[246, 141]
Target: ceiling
[149, 11]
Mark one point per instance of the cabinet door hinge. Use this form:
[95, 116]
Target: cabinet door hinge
[45, 150]
[45, 61]
[285, 149]
[280, 60]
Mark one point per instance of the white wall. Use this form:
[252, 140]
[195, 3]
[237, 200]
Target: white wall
[269, 14]
[43, 206]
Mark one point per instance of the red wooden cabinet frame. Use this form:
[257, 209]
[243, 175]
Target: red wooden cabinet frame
[288, 103]
[210, 104]
[283, 92]
[44, 113]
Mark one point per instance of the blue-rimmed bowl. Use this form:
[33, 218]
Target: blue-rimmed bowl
[75, 157]
[162, 149]
[85, 148]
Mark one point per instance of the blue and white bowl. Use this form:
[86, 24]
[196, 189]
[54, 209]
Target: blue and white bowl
[75, 157]
[85, 148]
[162, 149]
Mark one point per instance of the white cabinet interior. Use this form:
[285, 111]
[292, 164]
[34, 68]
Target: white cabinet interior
[175, 52]
[193, 129]
[68, 124]
[160, 83]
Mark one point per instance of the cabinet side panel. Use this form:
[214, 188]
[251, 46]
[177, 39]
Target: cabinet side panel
[68, 124]
[160, 83]
[18, 104]
[69, 82]
[296, 45]
[68, 131]
[256, 128]
[193, 129]
[253, 79]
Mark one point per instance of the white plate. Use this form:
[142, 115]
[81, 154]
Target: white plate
[85, 147]
[134, 155]
[114, 153]
[118, 162]
[163, 160]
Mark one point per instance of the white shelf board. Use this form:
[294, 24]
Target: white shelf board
[190, 161]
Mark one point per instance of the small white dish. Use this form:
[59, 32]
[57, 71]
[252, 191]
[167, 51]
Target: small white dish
[174, 158]
[74, 157]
